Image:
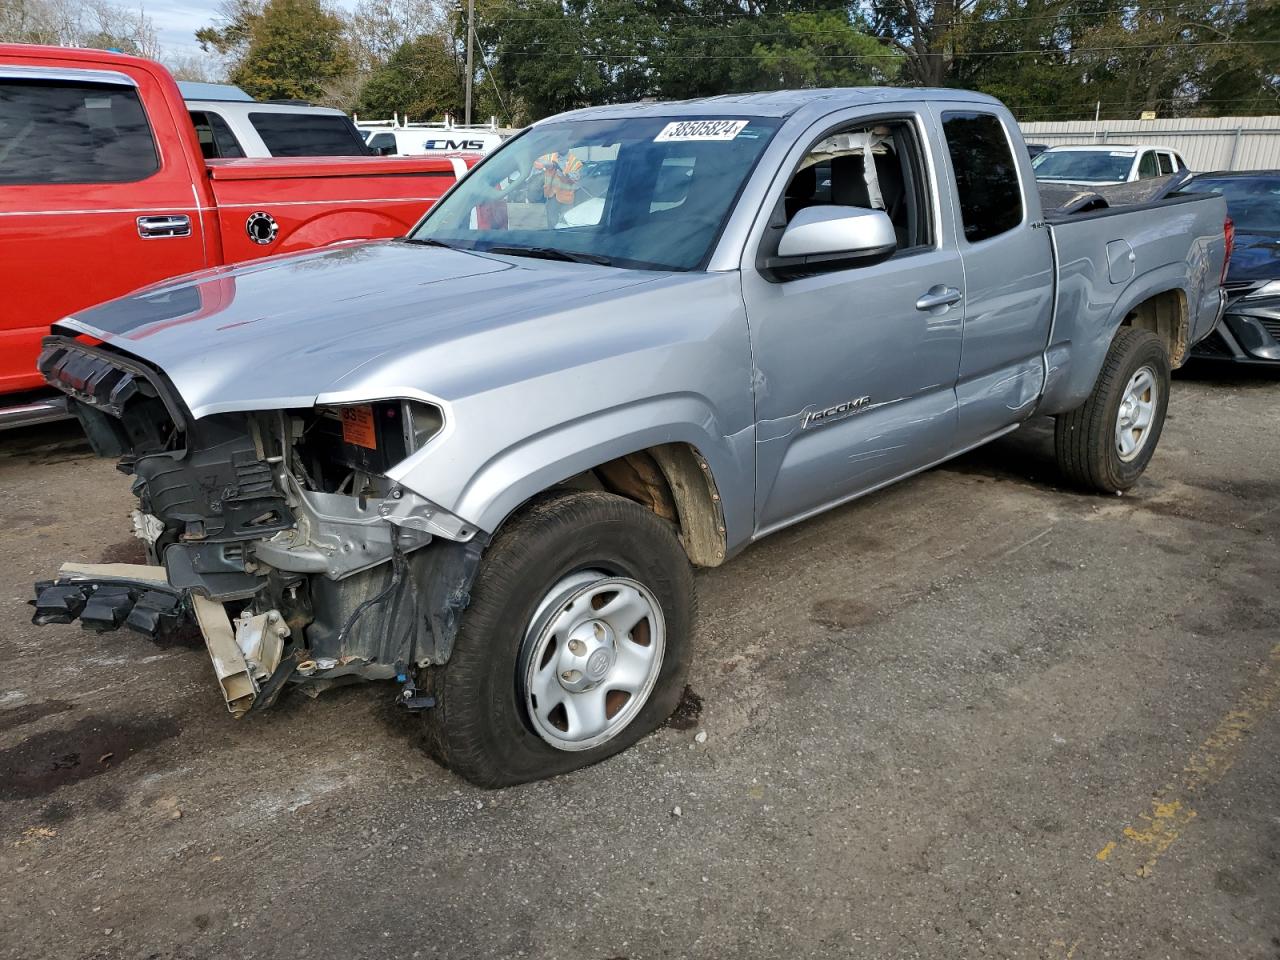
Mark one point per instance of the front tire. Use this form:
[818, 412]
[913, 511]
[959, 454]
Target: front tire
[1106, 443]
[575, 645]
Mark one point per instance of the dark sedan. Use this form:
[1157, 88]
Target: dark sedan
[1250, 329]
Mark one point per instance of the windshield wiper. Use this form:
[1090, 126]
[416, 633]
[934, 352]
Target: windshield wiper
[551, 253]
[429, 242]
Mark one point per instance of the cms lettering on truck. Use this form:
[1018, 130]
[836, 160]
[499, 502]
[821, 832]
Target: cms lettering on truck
[489, 482]
[110, 182]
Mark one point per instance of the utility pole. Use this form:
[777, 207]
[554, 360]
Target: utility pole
[471, 21]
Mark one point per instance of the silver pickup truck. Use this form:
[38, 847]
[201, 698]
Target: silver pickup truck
[480, 461]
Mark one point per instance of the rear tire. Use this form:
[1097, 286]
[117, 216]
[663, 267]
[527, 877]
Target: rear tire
[531, 605]
[1105, 444]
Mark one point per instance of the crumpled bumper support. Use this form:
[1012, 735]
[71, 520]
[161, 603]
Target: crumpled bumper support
[109, 596]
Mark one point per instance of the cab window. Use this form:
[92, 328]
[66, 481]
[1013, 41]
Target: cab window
[1148, 166]
[300, 134]
[987, 186]
[836, 172]
[1166, 164]
[54, 131]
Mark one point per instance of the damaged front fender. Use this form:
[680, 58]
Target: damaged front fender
[279, 535]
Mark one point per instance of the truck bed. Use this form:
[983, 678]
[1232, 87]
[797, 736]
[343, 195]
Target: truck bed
[1116, 255]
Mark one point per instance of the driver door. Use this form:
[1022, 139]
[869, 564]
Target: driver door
[856, 365]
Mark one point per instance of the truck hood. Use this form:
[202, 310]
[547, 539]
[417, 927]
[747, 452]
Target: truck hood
[281, 332]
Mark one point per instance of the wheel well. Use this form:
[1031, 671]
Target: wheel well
[674, 481]
[1165, 315]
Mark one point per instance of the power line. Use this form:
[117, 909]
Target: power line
[1053, 51]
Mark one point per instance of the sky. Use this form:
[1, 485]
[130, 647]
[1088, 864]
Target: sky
[177, 21]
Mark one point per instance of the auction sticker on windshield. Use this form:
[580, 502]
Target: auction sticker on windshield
[700, 130]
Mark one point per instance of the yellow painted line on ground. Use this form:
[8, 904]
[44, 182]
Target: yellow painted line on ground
[1145, 840]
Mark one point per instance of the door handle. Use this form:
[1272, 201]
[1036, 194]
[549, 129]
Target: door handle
[939, 296]
[169, 225]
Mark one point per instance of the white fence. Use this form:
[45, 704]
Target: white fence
[1221, 143]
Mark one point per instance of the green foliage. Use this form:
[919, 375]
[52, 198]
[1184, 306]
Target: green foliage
[553, 56]
[295, 49]
[1048, 59]
[422, 78]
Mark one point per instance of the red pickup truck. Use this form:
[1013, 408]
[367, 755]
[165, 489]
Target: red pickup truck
[104, 189]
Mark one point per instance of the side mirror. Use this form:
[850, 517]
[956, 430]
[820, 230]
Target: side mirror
[828, 232]
[386, 151]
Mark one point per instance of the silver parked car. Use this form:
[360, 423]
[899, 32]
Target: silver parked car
[480, 461]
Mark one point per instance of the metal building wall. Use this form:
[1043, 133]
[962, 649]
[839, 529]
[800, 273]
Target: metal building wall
[1219, 143]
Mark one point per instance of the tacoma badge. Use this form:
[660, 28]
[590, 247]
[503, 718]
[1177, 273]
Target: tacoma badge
[816, 418]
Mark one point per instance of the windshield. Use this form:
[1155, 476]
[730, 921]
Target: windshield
[1083, 166]
[1252, 202]
[648, 192]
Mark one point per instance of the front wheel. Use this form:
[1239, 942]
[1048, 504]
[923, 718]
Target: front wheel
[575, 644]
[1106, 443]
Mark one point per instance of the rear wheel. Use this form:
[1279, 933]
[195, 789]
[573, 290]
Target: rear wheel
[575, 644]
[1106, 443]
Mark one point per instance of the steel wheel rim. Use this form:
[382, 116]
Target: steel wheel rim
[1137, 413]
[590, 659]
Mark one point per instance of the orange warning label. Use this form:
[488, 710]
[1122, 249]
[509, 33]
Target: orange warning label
[357, 427]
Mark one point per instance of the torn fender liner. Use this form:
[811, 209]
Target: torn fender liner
[414, 621]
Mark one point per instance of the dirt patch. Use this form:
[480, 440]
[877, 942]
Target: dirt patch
[688, 711]
[25, 713]
[839, 613]
[127, 551]
[41, 764]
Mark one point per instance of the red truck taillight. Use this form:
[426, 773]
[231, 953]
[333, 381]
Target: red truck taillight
[1229, 232]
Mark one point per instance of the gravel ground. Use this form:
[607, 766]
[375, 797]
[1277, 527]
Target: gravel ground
[972, 715]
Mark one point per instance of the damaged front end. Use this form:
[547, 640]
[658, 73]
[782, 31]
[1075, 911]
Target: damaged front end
[277, 533]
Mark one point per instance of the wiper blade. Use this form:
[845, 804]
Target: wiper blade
[552, 253]
[429, 242]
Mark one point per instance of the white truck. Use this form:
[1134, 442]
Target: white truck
[231, 124]
[1106, 164]
[399, 136]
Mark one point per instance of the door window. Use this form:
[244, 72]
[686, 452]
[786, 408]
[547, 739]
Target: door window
[1166, 164]
[1147, 166]
[987, 185]
[54, 131]
[835, 172]
[216, 139]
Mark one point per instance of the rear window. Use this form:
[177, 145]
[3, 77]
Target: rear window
[986, 174]
[309, 135]
[65, 132]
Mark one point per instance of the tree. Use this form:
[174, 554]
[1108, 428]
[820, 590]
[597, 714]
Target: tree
[90, 23]
[422, 78]
[295, 48]
[924, 32]
[381, 27]
[552, 56]
[233, 37]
